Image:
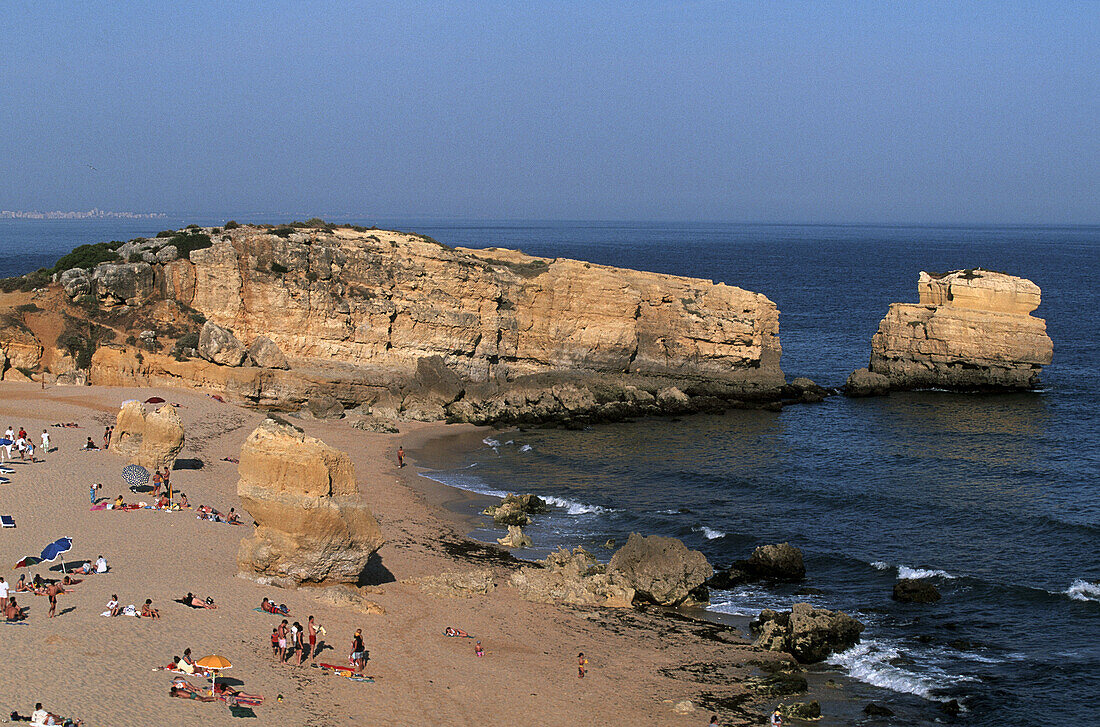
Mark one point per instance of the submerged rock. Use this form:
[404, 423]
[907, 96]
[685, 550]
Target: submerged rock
[661, 570]
[806, 633]
[312, 526]
[782, 562]
[912, 590]
[863, 382]
[877, 710]
[806, 711]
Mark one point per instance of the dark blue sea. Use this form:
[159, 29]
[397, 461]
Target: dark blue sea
[994, 499]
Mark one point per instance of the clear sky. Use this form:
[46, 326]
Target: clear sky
[742, 111]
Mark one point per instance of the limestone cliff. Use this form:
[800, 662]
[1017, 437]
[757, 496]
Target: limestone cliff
[408, 327]
[971, 330]
[311, 526]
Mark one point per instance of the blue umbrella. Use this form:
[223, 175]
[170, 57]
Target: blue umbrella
[4, 441]
[56, 548]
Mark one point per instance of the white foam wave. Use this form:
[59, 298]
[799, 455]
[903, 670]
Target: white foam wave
[526, 448]
[709, 533]
[905, 571]
[572, 507]
[1082, 590]
[462, 481]
[869, 662]
[880, 565]
[489, 441]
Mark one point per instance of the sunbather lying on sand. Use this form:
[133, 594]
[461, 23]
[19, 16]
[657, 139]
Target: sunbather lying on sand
[456, 632]
[224, 690]
[195, 602]
[272, 607]
[66, 425]
[175, 691]
[42, 717]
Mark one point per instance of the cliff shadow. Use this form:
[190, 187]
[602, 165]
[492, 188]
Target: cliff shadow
[188, 463]
[375, 573]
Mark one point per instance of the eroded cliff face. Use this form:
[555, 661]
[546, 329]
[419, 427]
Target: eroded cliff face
[972, 330]
[404, 327]
[388, 299]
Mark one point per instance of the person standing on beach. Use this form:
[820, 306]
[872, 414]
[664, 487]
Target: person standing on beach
[45, 442]
[776, 718]
[106, 437]
[400, 456]
[311, 629]
[52, 592]
[358, 651]
[21, 445]
[166, 478]
[282, 641]
[3, 595]
[582, 665]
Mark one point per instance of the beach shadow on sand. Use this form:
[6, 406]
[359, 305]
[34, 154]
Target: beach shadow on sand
[375, 573]
[188, 463]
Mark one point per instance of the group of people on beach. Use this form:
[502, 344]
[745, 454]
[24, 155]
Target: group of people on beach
[114, 608]
[288, 639]
[23, 444]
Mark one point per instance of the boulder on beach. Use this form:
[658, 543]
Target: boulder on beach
[780, 562]
[806, 633]
[219, 345]
[805, 711]
[661, 570]
[913, 590]
[266, 354]
[574, 579]
[312, 526]
[152, 440]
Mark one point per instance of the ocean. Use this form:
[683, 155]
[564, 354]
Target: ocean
[994, 499]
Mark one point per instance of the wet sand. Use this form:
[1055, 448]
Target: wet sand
[101, 669]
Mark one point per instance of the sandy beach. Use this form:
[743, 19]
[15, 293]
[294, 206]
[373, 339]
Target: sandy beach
[101, 670]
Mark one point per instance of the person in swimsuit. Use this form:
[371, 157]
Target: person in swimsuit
[478, 651]
[582, 665]
[311, 628]
[282, 641]
[52, 592]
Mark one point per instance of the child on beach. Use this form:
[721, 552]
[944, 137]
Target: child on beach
[147, 610]
[275, 642]
[400, 456]
[478, 651]
[582, 665]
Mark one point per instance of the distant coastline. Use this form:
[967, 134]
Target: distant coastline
[91, 214]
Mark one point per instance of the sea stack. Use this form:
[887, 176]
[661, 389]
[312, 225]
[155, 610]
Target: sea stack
[971, 331]
[311, 526]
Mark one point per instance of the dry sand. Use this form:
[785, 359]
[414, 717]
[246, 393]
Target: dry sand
[101, 669]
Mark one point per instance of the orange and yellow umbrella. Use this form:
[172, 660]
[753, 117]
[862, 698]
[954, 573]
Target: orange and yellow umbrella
[214, 663]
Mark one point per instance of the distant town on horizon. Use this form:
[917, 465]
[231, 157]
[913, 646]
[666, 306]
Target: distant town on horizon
[94, 213]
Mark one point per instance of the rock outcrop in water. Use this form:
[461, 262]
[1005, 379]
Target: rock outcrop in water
[781, 562]
[404, 327]
[311, 525]
[806, 633]
[152, 440]
[972, 331]
[661, 570]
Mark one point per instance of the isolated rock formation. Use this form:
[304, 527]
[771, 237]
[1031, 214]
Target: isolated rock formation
[219, 345]
[782, 562]
[659, 569]
[152, 440]
[515, 509]
[806, 633]
[311, 525]
[458, 584]
[515, 538]
[575, 579]
[972, 330]
[913, 590]
[863, 382]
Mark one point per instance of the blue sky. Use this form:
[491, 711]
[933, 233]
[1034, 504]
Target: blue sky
[770, 111]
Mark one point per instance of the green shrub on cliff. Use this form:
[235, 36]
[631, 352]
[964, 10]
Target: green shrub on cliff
[87, 256]
[232, 225]
[188, 243]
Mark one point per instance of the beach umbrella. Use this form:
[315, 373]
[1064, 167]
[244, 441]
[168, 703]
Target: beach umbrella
[214, 664]
[57, 548]
[27, 561]
[135, 475]
[4, 441]
[154, 400]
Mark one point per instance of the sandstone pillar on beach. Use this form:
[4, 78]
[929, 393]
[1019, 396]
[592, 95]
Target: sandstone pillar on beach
[152, 440]
[972, 330]
[311, 526]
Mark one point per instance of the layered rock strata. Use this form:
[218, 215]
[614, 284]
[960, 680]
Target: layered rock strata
[972, 330]
[152, 440]
[409, 328]
[311, 526]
